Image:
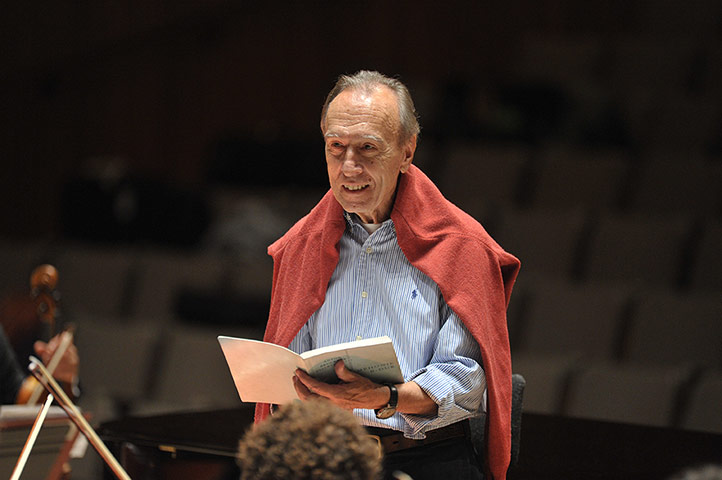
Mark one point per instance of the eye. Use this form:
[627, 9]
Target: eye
[368, 146]
[334, 146]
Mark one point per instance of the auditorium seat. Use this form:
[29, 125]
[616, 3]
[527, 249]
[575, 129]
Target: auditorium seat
[706, 268]
[95, 280]
[584, 319]
[546, 380]
[704, 406]
[478, 424]
[685, 123]
[516, 310]
[627, 393]
[253, 278]
[547, 240]
[247, 221]
[673, 328]
[712, 68]
[638, 248]
[562, 59]
[651, 62]
[193, 373]
[665, 17]
[679, 184]
[671, 121]
[476, 173]
[576, 177]
[117, 360]
[163, 274]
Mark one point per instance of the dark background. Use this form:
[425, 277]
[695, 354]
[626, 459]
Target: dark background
[154, 148]
[185, 94]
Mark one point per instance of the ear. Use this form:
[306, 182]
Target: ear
[409, 150]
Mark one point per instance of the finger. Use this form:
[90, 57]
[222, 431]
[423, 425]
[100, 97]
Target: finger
[40, 348]
[69, 362]
[54, 342]
[303, 392]
[310, 382]
[318, 387]
[71, 355]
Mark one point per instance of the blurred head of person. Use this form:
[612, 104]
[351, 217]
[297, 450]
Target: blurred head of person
[309, 440]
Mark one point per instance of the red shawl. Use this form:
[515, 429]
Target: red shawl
[475, 276]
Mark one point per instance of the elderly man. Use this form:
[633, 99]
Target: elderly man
[384, 253]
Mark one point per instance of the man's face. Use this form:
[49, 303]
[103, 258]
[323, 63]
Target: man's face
[363, 153]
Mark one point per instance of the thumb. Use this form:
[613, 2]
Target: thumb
[343, 373]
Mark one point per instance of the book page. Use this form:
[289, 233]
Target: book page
[373, 358]
[262, 372]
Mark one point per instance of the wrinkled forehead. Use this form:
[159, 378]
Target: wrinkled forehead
[363, 112]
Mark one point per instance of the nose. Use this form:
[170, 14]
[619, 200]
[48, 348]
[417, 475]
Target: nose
[350, 165]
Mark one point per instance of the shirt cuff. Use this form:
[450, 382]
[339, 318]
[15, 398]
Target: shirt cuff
[439, 389]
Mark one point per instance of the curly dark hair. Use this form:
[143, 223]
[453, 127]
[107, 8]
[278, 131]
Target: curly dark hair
[309, 440]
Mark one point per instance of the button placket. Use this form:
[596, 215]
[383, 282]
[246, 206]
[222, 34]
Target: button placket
[361, 308]
[366, 251]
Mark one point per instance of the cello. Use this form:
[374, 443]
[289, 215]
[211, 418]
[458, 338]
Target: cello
[36, 317]
[30, 316]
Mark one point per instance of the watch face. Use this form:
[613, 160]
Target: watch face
[385, 412]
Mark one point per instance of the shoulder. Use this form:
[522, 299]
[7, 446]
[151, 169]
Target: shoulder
[324, 216]
[423, 215]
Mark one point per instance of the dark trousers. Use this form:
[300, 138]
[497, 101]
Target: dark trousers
[452, 459]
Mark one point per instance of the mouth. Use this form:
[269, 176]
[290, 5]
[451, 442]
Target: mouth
[355, 188]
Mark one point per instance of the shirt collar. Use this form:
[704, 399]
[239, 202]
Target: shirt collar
[353, 220]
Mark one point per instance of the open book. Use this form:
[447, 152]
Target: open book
[263, 372]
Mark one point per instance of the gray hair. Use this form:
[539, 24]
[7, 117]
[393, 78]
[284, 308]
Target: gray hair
[367, 81]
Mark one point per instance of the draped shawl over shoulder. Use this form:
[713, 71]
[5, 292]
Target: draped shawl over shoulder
[475, 276]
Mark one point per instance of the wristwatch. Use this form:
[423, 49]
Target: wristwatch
[390, 408]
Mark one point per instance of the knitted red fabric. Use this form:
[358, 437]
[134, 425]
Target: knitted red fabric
[474, 273]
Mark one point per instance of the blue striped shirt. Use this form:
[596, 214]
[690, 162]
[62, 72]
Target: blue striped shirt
[375, 291]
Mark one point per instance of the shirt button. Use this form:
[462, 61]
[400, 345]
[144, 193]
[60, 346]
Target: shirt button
[364, 294]
[369, 249]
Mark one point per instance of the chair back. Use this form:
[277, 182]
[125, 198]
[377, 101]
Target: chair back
[478, 424]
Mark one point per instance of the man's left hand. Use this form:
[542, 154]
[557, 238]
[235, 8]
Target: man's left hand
[353, 390]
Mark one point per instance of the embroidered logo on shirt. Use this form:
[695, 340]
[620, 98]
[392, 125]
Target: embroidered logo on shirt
[414, 293]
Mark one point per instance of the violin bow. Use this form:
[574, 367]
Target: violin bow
[46, 380]
[66, 338]
[30, 442]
